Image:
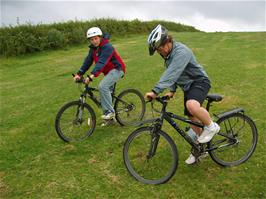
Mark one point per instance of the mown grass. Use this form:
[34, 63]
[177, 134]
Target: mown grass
[35, 163]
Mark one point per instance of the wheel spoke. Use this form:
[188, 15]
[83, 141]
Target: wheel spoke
[149, 160]
[74, 123]
[129, 107]
[236, 141]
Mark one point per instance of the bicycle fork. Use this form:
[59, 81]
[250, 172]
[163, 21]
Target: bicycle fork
[155, 137]
[80, 109]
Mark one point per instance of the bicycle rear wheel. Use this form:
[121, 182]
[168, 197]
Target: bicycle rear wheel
[129, 107]
[235, 142]
[75, 121]
[147, 167]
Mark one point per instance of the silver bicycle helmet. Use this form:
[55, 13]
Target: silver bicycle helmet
[94, 31]
[156, 38]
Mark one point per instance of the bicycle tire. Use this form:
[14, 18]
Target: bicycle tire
[133, 156]
[129, 107]
[241, 144]
[62, 127]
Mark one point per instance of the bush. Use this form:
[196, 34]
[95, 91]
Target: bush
[56, 39]
[76, 36]
[31, 38]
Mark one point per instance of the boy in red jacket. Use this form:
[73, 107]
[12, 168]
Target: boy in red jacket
[108, 62]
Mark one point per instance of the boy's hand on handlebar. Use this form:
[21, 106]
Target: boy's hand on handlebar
[77, 77]
[89, 79]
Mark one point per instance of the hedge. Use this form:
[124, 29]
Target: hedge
[28, 38]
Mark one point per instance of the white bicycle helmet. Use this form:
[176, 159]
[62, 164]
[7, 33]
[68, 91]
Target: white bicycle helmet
[156, 38]
[94, 31]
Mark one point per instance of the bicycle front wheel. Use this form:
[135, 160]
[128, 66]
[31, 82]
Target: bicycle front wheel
[235, 142]
[149, 157]
[129, 107]
[75, 121]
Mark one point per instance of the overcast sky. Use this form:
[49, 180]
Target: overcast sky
[208, 16]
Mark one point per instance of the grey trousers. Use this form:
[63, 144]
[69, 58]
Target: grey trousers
[105, 88]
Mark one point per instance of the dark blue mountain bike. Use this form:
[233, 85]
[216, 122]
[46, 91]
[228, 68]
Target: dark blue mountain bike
[150, 155]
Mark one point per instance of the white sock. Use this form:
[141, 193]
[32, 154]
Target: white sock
[211, 125]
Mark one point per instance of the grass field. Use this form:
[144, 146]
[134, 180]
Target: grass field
[35, 163]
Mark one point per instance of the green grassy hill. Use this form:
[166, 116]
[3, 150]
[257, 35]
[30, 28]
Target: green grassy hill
[35, 163]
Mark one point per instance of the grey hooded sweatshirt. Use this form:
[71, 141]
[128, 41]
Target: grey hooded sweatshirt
[182, 69]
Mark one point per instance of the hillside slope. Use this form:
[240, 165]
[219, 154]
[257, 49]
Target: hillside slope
[35, 163]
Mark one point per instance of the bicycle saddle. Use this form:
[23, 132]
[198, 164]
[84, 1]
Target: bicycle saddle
[214, 97]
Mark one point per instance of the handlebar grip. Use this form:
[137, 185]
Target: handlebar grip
[165, 98]
[81, 80]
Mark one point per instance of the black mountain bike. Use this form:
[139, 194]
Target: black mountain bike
[76, 120]
[150, 155]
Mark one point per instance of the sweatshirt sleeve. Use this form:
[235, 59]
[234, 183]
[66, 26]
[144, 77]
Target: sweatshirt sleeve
[181, 58]
[86, 64]
[105, 56]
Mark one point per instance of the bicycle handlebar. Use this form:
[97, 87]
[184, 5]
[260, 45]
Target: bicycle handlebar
[162, 99]
[81, 80]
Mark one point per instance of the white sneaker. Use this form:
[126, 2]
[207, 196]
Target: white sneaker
[108, 116]
[208, 133]
[191, 159]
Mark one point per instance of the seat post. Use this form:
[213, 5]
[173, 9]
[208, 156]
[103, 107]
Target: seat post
[208, 105]
[212, 98]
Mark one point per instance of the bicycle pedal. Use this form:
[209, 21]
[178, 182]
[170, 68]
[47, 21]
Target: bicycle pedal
[108, 122]
[202, 156]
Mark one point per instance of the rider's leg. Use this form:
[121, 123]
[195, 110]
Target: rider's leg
[194, 132]
[105, 88]
[211, 128]
[196, 129]
[193, 99]
[198, 112]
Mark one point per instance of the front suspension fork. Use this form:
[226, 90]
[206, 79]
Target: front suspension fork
[155, 137]
[80, 108]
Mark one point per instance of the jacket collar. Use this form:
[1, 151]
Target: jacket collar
[103, 42]
[171, 52]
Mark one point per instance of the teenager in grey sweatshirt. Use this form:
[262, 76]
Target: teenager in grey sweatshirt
[183, 70]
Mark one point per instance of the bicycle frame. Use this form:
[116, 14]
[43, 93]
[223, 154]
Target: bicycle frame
[88, 91]
[168, 116]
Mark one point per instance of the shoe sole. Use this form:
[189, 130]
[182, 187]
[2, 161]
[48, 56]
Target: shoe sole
[108, 122]
[108, 118]
[209, 139]
[199, 159]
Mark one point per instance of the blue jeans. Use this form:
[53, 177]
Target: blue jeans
[105, 88]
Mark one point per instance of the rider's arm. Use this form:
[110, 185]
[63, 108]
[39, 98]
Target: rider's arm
[180, 59]
[104, 58]
[172, 88]
[86, 64]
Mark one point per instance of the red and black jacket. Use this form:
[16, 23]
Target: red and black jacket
[105, 58]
